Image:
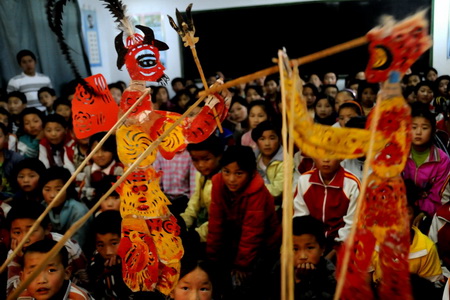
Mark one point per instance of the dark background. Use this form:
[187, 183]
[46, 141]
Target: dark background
[241, 41]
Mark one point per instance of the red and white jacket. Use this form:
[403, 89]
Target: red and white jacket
[334, 204]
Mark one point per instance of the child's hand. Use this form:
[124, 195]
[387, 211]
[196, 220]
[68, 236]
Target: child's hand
[304, 270]
[239, 277]
[114, 260]
[14, 244]
[418, 219]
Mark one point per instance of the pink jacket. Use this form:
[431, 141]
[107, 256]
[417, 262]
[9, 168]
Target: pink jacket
[431, 177]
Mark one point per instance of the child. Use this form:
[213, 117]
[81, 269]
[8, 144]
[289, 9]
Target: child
[5, 118]
[348, 110]
[427, 165]
[112, 202]
[205, 156]
[413, 79]
[270, 159]
[424, 93]
[329, 78]
[330, 90]
[367, 95]
[47, 97]
[342, 97]
[67, 210]
[324, 110]
[8, 159]
[31, 126]
[440, 234]
[17, 102]
[244, 231]
[194, 283]
[237, 115]
[310, 92]
[56, 148]
[328, 193]
[54, 281]
[180, 100]
[105, 269]
[116, 90]
[19, 221]
[431, 74]
[314, 275]
[26, 174]
[63, 108]
[160, 98]
[104, 162]
[253, 92]
[258, 111]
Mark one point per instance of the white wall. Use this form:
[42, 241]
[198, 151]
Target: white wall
[167, 7]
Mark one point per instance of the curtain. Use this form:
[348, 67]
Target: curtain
[23, 25]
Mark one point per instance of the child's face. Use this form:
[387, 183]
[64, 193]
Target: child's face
[252, 95]
[107, 244]
[331, 91]
[306, 250]
[15, 105]
[28, 65]
[268, 143]
[425, 94]
[102, 158]
[65, 111]
[32, 124]
[309, 96]
[204, 161]
[346, 114]
[314, 79]
[327, 167]
[51, 189]
[116, 94]
[27, 180]
[46, 99]
[183, 100]
[323, 108]
[238, 112]
[234, 177]
[341, 98]
[55, 133]
[271, 87]
[421, 130]
[329, 78]
[20, 227]
[162, 96]
[413, 80]
[256, 116]
[442, 87]
[50, 281]
[368, 97]
[110, 203]
[431, 75]
[194, 285]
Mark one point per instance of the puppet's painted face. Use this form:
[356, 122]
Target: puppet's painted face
[143, 63]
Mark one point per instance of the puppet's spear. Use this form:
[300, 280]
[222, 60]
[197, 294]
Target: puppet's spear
[71, 179]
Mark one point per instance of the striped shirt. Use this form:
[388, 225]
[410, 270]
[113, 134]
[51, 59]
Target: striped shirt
[29, 85]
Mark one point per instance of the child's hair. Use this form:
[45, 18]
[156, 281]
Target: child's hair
[108, 222]
[266, 107]
[367, 85]
[312, 87]
[55, 118]
[421, 110]
[109, 145]
[115, 85]
[33, 164]
[438, 80]
[240, 100]
[46, 246]
[178, 79]
[155, 90]
[242, 155]
[324, 87]
[58, 173]
[427, 83]
[103, 185]
[408, 90]
[61, 101]
[48, 90]
[189, 265]
[357, 122]
[352, 104]
[23, 53]
[213, 144]
[32, 210]
[330, 100]
[272, 78]
[257, 88]
[30, 111]
[19, 95]
[309, 225]
[264, 126]
[413, 193]
[349, 92]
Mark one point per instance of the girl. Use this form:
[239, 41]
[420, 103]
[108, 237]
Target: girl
[441, 85]
[26, 174]
[310, 92]
[67, 210]
[116, 91]
[5, 118]
[160, 98]
[431, 74]
[367, 95]
[258, 111]
[63, 108]
[253, 92]
[428, 167]
[180, 101]
[424, 92]
[237, 114]
[347, 111]
[56, 148]
[243, 232]
[31, 126]
[194, 283]
[104, 162]
[324, 110]
[8, 159]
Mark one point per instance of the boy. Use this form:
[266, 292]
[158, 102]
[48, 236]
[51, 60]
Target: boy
[270, 160]
[19, 221]
[54, 281]
[17, 102]
[46, 97]
[314, 275]
[30, 81]
[205, 157]
[105, 270]
[328, 193]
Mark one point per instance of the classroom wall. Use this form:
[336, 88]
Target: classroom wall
[440, 28]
